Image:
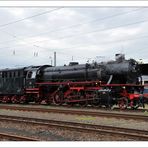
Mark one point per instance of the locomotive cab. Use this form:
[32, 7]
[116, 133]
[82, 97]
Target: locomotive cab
[34, 75]
[31, 76]
[30, 79]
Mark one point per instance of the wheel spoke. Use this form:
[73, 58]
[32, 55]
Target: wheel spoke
[58, 98]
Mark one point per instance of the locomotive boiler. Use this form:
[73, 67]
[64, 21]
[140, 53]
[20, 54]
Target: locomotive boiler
[91, 83]
[125, 71]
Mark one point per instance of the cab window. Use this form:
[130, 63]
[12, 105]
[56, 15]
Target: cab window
[31, 74]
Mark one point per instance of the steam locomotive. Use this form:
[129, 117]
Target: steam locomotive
[96, 84]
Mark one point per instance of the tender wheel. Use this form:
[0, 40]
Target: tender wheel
[6, 99]
[23, 99]
[14, 99]
[123, 103]
[58, 98]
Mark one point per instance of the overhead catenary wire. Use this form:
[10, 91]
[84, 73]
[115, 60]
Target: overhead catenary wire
[88, 22]
[94, 31]
[76, 47]
[29, 17]
[66, 37]
[80, 24]
[13, 22]
[42, 47]
[20, 20]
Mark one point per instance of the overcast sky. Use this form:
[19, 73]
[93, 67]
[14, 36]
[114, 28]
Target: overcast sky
[29, 36]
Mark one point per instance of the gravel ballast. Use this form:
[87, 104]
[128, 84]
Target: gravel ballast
[79, 118]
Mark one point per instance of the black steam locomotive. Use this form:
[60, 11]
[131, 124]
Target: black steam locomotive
[105, 83]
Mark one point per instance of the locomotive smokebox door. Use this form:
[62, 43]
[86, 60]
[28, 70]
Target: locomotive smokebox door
[105, 97]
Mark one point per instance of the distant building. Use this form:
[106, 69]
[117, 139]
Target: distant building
[145, 79]
[144, 71]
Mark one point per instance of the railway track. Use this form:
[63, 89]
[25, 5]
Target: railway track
[12, 137]
[79, 112]
[133, 134]
[96, 107]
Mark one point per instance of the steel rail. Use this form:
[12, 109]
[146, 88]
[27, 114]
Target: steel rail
[16, 137]
[75, 126]
[96, 107]
[79, 112]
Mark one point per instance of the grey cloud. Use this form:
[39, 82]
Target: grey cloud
[61, 31]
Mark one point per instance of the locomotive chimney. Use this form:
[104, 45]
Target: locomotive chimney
[119, 57]
[54, 58]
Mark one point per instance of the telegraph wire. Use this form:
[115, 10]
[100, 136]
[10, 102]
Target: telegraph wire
[36, 15]
[108, 28]
[94, 31]
[81, 45]
[88, 22]
[80, 24]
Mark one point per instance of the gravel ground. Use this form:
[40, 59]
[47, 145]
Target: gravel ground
[52, 134]
[83, 119]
